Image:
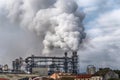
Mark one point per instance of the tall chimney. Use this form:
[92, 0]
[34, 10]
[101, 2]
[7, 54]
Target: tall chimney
[74, 62]
[66, 63]
[65, 54]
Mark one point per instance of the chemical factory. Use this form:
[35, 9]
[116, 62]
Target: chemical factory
[47, 65]
[53, 68]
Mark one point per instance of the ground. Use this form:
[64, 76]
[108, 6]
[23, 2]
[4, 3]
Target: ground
[16, 76]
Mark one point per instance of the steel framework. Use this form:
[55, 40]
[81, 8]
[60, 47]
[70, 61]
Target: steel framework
[54, 64]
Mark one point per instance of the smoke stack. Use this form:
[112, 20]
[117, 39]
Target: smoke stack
[66, 63]
[74, 53]
[74, 63]
[65, 54]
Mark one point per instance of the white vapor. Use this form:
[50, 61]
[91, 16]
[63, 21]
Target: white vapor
[57, 22]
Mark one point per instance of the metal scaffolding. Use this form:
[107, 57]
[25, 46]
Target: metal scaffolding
[54, 64]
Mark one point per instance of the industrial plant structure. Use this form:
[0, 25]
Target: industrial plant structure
[91, 69]
[51, 64]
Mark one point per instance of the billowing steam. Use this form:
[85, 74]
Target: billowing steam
[57, 22]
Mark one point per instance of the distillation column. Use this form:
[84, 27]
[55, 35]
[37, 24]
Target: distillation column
[66, 63]
[75, 63]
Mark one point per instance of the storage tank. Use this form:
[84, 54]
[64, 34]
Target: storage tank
[5, 67]
[91, 69]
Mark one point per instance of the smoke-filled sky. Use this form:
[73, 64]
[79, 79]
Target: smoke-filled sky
[22, 32]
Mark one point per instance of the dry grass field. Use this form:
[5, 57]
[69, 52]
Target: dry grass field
[16, 76]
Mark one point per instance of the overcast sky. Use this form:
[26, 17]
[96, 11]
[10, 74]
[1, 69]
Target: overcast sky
[102, 24]
[101, 47]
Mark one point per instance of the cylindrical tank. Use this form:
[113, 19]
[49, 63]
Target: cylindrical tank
[0, 67]
[5, 67]
[91, 69]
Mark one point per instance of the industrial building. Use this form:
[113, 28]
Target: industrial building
[49, 65]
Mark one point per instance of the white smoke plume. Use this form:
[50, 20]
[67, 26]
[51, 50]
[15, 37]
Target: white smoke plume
[57, 22]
